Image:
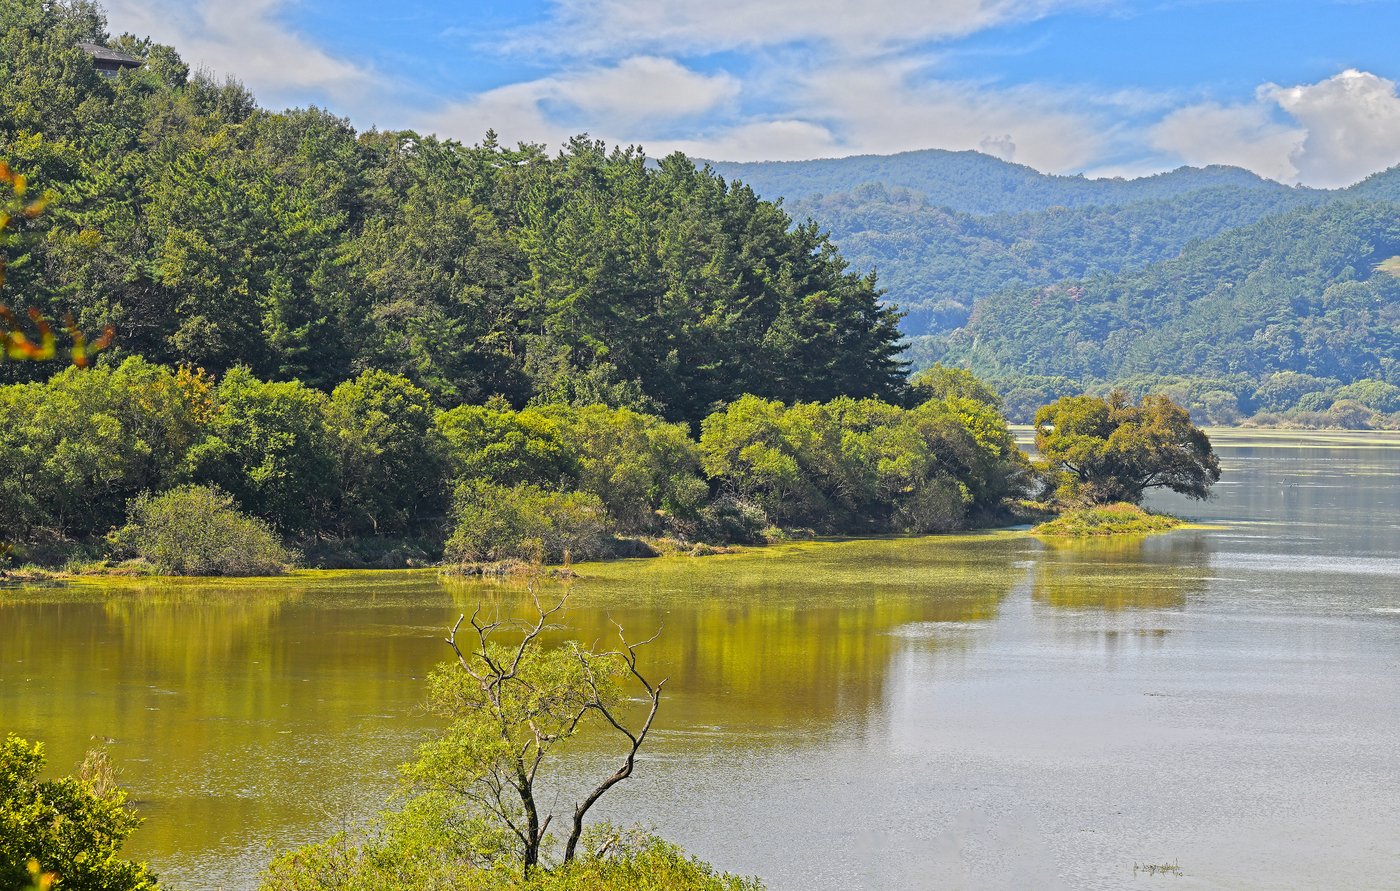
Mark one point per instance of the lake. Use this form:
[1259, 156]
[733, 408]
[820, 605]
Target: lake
[969, 711]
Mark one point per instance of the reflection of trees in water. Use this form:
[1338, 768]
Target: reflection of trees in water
[231, 704]
[763, 646]
[1117, 573]
[184, 623]
[252, 704]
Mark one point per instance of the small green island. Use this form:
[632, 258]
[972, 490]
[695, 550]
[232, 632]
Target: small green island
[1108, 519]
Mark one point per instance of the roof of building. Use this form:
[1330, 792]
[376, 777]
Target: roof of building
[107, 54]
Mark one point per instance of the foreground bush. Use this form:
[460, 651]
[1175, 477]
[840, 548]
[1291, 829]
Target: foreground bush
[73, 827]
[525, 522]
[196, 530]
[408, 856]
[1109, 519]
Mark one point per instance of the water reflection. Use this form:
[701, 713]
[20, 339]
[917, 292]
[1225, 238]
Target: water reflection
[251, 716]
[1121, 573]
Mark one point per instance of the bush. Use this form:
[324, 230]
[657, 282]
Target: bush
[415, 855]
[525, 522]
[729, 520]
[74, 826]
[196, 530]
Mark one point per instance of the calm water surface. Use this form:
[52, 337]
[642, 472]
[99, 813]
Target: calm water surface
[980, 711]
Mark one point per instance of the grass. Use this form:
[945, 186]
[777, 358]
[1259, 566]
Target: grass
[1158, 869]
[1108, 519]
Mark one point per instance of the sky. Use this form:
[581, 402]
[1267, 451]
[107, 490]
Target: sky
[1301, 91]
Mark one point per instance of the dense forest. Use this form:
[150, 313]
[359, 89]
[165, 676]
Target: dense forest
[210, 231]
[1299, 311]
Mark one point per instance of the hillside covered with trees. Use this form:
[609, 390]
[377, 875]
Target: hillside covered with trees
[209, 231]
[1237, 295]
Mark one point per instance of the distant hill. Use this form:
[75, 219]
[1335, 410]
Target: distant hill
[975, 183]
[945, 229]
[936, 263]
[1300, 291]
[1237, 293]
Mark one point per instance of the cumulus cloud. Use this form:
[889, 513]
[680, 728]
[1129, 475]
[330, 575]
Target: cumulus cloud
[619, 102]
[1328, 134]
[1352, 125]
[831, 110]
[244, 39]
[892, 107]
[783, 140]
[1243, 135]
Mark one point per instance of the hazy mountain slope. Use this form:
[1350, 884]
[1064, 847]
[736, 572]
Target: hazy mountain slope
[945, 229]
[936, 263]
[974, 183]
[1298, 291]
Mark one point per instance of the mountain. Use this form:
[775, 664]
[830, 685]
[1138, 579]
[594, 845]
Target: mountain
[945, 229]
[973, 182]
[1237, 294]
[1301, 291]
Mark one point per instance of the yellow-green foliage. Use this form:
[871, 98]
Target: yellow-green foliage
[630, 862]
[1109, 519]
[1098, 451]
[642, 467]
[196, 530]
[525, 522]
[852, 464]
[72, 827]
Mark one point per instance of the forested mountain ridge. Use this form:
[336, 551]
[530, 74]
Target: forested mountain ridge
[945, 229]
[936, 263]
[1294, 292]
[210, 231]
[1236, 294]
[1298, 311]
[976, 183]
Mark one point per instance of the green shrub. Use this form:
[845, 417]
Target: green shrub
[525, 522]
[196, 530]
[730, 520]
[73, 826]
[414, 854]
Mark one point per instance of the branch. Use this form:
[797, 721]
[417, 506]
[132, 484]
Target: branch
[636, 740]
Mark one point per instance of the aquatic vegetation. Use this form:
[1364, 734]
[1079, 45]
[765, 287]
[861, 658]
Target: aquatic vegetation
[1109, 519]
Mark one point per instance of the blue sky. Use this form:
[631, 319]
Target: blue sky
[1297, 90]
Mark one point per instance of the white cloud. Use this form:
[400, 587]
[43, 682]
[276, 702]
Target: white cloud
[1352, 122]
[683, 25]
[1243, 135]
[616, 102]
[1328, 134]
[783, 140]
[643, 88]
[244, 38]
[892, 108]
[834, 110]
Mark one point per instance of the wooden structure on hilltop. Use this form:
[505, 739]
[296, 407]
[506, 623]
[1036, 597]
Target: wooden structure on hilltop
[107, 61]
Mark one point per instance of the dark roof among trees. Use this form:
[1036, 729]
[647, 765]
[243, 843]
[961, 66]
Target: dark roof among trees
[110, 56]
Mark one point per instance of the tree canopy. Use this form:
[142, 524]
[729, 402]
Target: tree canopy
[212, 232]
[73, 826]
[1099, 451]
